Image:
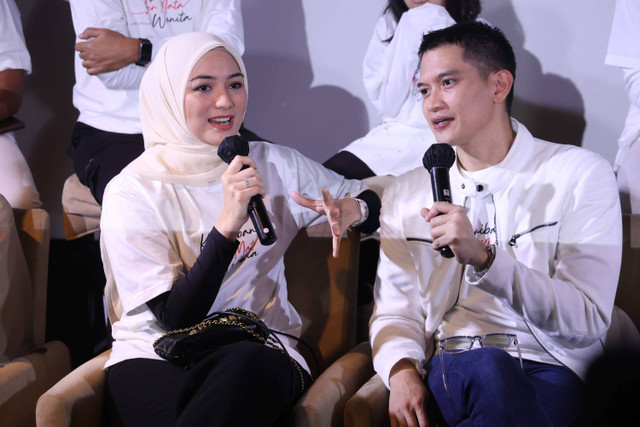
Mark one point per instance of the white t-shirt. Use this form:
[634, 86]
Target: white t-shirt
[495, 315]
[151, 230]
[109, 101]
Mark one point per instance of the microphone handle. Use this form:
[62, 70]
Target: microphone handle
[261, 221]
[441, 193]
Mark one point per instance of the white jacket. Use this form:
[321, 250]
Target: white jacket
[561, 278]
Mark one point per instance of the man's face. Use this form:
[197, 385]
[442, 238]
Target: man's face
[457, 100]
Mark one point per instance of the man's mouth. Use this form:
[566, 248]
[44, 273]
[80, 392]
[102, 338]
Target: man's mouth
[440, 122]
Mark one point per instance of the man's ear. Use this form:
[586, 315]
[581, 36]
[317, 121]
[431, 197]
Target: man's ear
[503, 80]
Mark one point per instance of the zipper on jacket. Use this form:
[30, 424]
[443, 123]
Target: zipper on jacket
[516, 236]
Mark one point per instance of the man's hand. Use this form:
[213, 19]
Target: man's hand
[106, 50]
[453, 229]
[407, 399]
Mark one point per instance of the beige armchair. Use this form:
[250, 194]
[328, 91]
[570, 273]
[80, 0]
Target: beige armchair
[322, 289]
[33, 366]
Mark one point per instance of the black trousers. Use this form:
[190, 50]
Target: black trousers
[240, 384]
[99, 155]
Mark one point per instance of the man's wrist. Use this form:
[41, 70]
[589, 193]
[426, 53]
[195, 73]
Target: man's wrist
[490, 251]
[144, 53]
[363, 210]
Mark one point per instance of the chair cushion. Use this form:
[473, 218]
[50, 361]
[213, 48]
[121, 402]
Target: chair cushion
[80, 208]
[16, 292]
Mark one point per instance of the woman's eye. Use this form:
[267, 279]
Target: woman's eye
[202, 88]
[236, 85]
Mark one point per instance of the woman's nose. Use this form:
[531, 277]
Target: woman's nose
[222, 99]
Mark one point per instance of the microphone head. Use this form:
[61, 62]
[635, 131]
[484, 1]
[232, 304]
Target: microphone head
[439, 155]
[232, 146]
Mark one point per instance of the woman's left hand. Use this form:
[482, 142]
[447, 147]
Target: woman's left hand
[341, 213]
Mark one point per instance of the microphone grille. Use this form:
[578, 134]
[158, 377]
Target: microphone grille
[439, 155]
[232, 146]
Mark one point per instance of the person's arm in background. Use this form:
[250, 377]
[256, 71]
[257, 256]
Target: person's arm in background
[11, 87]
[14, 59]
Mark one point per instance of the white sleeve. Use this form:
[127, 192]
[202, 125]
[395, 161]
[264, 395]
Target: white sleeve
[224, 19]
[632, 85]
[574, 305]
[373, 64]
[624, 40]
[138, 250]
[13, 50]
[308, 178]
[397, 323]
[400, 63]
[111, 15]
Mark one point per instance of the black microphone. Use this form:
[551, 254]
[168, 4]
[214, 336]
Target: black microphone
[438, 160]
[228, 149]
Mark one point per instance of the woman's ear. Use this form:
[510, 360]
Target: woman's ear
[503, 81]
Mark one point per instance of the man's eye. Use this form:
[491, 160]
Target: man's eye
[447, 82]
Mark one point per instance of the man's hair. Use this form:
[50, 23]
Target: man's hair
[485, 47]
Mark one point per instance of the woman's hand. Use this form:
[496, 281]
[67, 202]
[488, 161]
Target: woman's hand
[238, 186]
[341, 213]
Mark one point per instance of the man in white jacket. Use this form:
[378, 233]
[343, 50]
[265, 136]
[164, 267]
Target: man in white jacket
[535, 228]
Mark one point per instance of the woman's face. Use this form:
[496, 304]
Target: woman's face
[215, 98]
[415, 3]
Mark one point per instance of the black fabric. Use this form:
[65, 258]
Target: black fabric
[348, 165]
[98, 155]
[241, 384]
[373, 203]
[190, 299]
[249, 135]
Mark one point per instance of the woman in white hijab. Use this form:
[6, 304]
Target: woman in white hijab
[177, 244]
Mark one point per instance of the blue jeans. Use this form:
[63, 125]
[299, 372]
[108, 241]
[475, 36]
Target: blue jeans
[488, 388]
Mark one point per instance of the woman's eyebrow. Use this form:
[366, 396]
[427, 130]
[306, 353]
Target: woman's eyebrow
[207, 77]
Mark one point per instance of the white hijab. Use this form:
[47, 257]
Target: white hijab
[172, 153]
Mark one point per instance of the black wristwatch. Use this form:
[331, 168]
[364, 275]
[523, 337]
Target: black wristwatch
[145, 52]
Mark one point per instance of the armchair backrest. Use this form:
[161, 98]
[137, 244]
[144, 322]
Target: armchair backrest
[33, 226]
[628, 294]
[324, 292]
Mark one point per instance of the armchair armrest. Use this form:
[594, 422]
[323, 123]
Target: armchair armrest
[369, 406]
[323, 403]
[79, 397]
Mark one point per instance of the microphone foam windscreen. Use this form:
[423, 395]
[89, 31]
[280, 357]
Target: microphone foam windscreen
[439, 155]
[232, 146]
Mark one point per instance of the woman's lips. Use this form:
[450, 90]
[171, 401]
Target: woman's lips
[222, 123]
